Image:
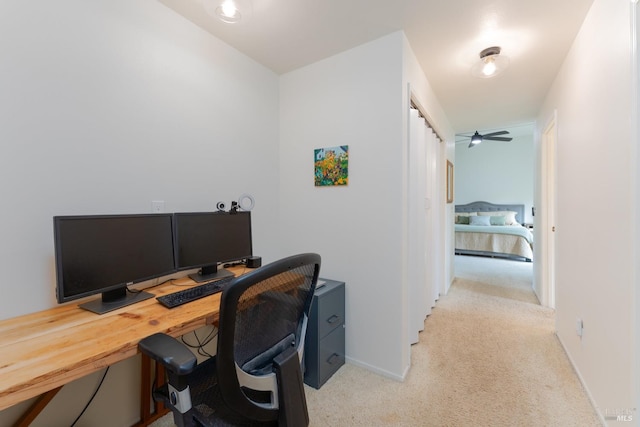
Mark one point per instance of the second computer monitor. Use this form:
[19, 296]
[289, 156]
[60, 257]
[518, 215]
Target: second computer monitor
[205, 239]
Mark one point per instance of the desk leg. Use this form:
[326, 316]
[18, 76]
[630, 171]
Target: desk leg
[36, 408]
[146, 416]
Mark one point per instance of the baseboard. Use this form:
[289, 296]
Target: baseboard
[535, 292]
[584, 384]
[376, 370]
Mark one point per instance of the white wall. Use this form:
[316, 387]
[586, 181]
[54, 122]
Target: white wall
[107, 105]
[636, 197]
[355, 99]
[496, 172]
[596, 205]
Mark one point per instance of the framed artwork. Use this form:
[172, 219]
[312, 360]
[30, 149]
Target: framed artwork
[449, 182]
[331, 166]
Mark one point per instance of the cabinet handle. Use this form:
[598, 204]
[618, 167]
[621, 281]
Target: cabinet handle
[333, 319]
[333, 358]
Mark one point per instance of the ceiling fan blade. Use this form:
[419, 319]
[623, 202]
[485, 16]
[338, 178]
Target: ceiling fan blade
[497, 138]
[502, 132]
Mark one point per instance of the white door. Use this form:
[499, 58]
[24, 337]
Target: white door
[425, 230]
[548, 213]
[417, 268]
[434, 246]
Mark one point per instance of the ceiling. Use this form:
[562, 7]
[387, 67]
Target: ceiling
[446, 36]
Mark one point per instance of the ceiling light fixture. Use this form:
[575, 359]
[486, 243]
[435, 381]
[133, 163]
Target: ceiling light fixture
[229, 11]
[491, 63]
[476, 139]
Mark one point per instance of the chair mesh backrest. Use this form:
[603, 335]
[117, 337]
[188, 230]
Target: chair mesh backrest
[269, 317]
[261, 315]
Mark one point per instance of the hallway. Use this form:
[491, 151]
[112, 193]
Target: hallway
[511, 365]
[488, 357]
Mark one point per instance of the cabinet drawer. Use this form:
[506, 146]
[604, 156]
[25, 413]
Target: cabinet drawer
[329, 358]
[330, 311]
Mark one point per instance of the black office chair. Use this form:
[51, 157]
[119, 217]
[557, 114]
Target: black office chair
[255, 378]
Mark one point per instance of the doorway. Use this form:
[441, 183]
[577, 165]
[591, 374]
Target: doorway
[502, 173]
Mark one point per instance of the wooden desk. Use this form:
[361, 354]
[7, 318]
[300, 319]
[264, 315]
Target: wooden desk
[41, 352]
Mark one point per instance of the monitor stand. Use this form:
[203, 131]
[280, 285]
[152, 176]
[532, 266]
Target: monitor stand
[113, 300]
[209, 273]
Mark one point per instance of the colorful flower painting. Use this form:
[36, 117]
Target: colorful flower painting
[331, 166]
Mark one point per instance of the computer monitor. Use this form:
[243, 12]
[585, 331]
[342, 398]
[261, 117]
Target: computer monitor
[103, 254]
[205, 239]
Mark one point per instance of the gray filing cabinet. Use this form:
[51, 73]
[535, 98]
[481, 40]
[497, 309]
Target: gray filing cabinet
[324, 344]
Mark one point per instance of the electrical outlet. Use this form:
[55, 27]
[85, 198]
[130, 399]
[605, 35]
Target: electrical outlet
[157, 206]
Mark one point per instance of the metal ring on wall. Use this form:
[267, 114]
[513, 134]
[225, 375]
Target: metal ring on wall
[242, 202]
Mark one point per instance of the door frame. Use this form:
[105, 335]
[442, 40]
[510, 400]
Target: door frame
[546, 229]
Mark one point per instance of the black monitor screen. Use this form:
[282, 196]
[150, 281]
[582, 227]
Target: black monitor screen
[204, 239]
[103, 254]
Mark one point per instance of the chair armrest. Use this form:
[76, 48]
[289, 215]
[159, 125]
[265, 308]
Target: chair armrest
[292, 401]
[174, 355]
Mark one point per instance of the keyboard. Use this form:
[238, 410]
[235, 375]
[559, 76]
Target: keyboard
[191, 294]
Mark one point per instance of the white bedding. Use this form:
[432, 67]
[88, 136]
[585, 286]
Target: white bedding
[507, 239]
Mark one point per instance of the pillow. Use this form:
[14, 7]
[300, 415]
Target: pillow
[479, 220]
[509, 216]
[497, 220]
[463, 215]
[462, 219]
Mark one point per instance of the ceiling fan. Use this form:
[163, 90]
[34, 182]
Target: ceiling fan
[476, 138]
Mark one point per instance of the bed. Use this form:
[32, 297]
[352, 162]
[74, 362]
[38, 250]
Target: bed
[496, 231]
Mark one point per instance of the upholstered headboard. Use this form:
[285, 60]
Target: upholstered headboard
[490, 207]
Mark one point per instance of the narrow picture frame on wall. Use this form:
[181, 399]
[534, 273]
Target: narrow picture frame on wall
[331, 166]
[449, 182]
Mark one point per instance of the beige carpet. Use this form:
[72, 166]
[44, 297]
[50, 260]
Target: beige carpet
[488, 357]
